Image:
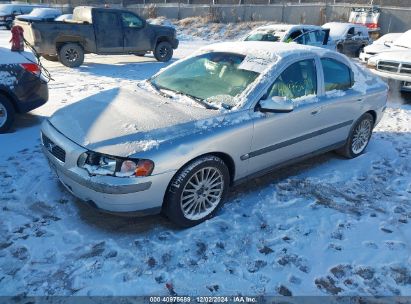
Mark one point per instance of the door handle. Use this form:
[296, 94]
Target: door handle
[359, 99]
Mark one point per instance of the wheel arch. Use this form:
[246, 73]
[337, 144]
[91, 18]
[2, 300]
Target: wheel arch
[373, 114]
[11, 98]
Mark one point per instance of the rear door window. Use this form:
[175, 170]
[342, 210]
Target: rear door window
[337, 76]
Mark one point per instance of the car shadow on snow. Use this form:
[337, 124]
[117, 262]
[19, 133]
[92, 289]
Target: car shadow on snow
[138, 70]
[26, 120]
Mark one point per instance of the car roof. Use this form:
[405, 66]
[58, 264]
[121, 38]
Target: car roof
[343, 24]
[285, 27]
[277, 49]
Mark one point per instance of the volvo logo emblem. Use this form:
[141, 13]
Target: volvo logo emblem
[50, 147]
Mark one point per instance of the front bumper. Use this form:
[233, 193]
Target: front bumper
[142, 195]
[364, 57]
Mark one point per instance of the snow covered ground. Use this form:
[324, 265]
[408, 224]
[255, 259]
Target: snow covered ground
[324, 226]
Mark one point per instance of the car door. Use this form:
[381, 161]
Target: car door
[279, 137]
[340, 105]
[109, 32]
[350, 42]
[136, 33]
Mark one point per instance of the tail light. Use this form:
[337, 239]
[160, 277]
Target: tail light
[32, 68]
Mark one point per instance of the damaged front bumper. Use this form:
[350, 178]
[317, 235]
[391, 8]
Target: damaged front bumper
[139, 195]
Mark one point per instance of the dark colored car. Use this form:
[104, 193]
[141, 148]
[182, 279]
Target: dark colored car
[9, 11]
[22, 87]
[100, 31]
[350, 39]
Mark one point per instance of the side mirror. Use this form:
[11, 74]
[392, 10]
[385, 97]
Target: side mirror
[276, 104]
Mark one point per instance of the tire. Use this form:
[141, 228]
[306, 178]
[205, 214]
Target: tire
[7, 114]
[359, 137]
[71, 55]
[163, 51]
[200, 203]
[53, 58]
[340, 49]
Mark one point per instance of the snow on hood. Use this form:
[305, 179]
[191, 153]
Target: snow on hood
[403, 56]
[125, 121]
[376, 48]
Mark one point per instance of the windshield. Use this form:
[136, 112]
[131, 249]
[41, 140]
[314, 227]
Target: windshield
[207, 77]
[404, 40]
[5, 9]
[265, 36]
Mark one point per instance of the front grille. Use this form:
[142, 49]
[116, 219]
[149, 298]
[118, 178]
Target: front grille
[405, 69]
[388, 66]
[57, 151]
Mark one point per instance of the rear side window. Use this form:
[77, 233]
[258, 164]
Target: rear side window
[337, 76]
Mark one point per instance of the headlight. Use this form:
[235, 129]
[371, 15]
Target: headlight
[100, 164]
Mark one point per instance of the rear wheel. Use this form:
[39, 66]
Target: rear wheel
[71, 55]
[163, 51]
[7, 114]
[359, 137]
[197, 191]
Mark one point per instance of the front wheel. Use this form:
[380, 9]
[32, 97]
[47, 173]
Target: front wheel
[197, 191]
[163, 51]
[359, 137]
[71, 55]
[7, 113]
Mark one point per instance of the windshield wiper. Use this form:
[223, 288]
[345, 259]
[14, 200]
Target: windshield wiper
[158, 89]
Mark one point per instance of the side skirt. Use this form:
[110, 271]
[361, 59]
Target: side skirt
[289, 162]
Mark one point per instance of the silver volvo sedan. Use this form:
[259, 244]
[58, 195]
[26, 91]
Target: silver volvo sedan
[231, 111]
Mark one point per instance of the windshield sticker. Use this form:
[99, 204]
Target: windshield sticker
[258, 62]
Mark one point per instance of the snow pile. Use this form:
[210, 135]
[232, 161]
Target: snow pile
[203, 28]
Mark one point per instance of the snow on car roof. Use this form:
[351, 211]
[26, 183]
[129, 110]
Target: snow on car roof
[285, 27]
[404, 40]
[9, 57]
[280, 49]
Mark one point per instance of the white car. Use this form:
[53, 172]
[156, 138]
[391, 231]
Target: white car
[41, 14]
[387, 43]
[393, 65]
[302, 34]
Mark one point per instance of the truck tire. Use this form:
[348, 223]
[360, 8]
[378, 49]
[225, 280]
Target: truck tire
[71, 55]
[7, 114]
[163, 51]
[53, 58]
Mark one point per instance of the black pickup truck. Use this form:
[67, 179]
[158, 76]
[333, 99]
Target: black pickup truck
[100, 31]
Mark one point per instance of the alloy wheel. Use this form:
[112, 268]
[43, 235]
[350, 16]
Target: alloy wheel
[3, 115]
[361, 136]
[202, 193]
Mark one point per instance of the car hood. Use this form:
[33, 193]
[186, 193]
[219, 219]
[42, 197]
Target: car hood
[397, 56]
[125, 121]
